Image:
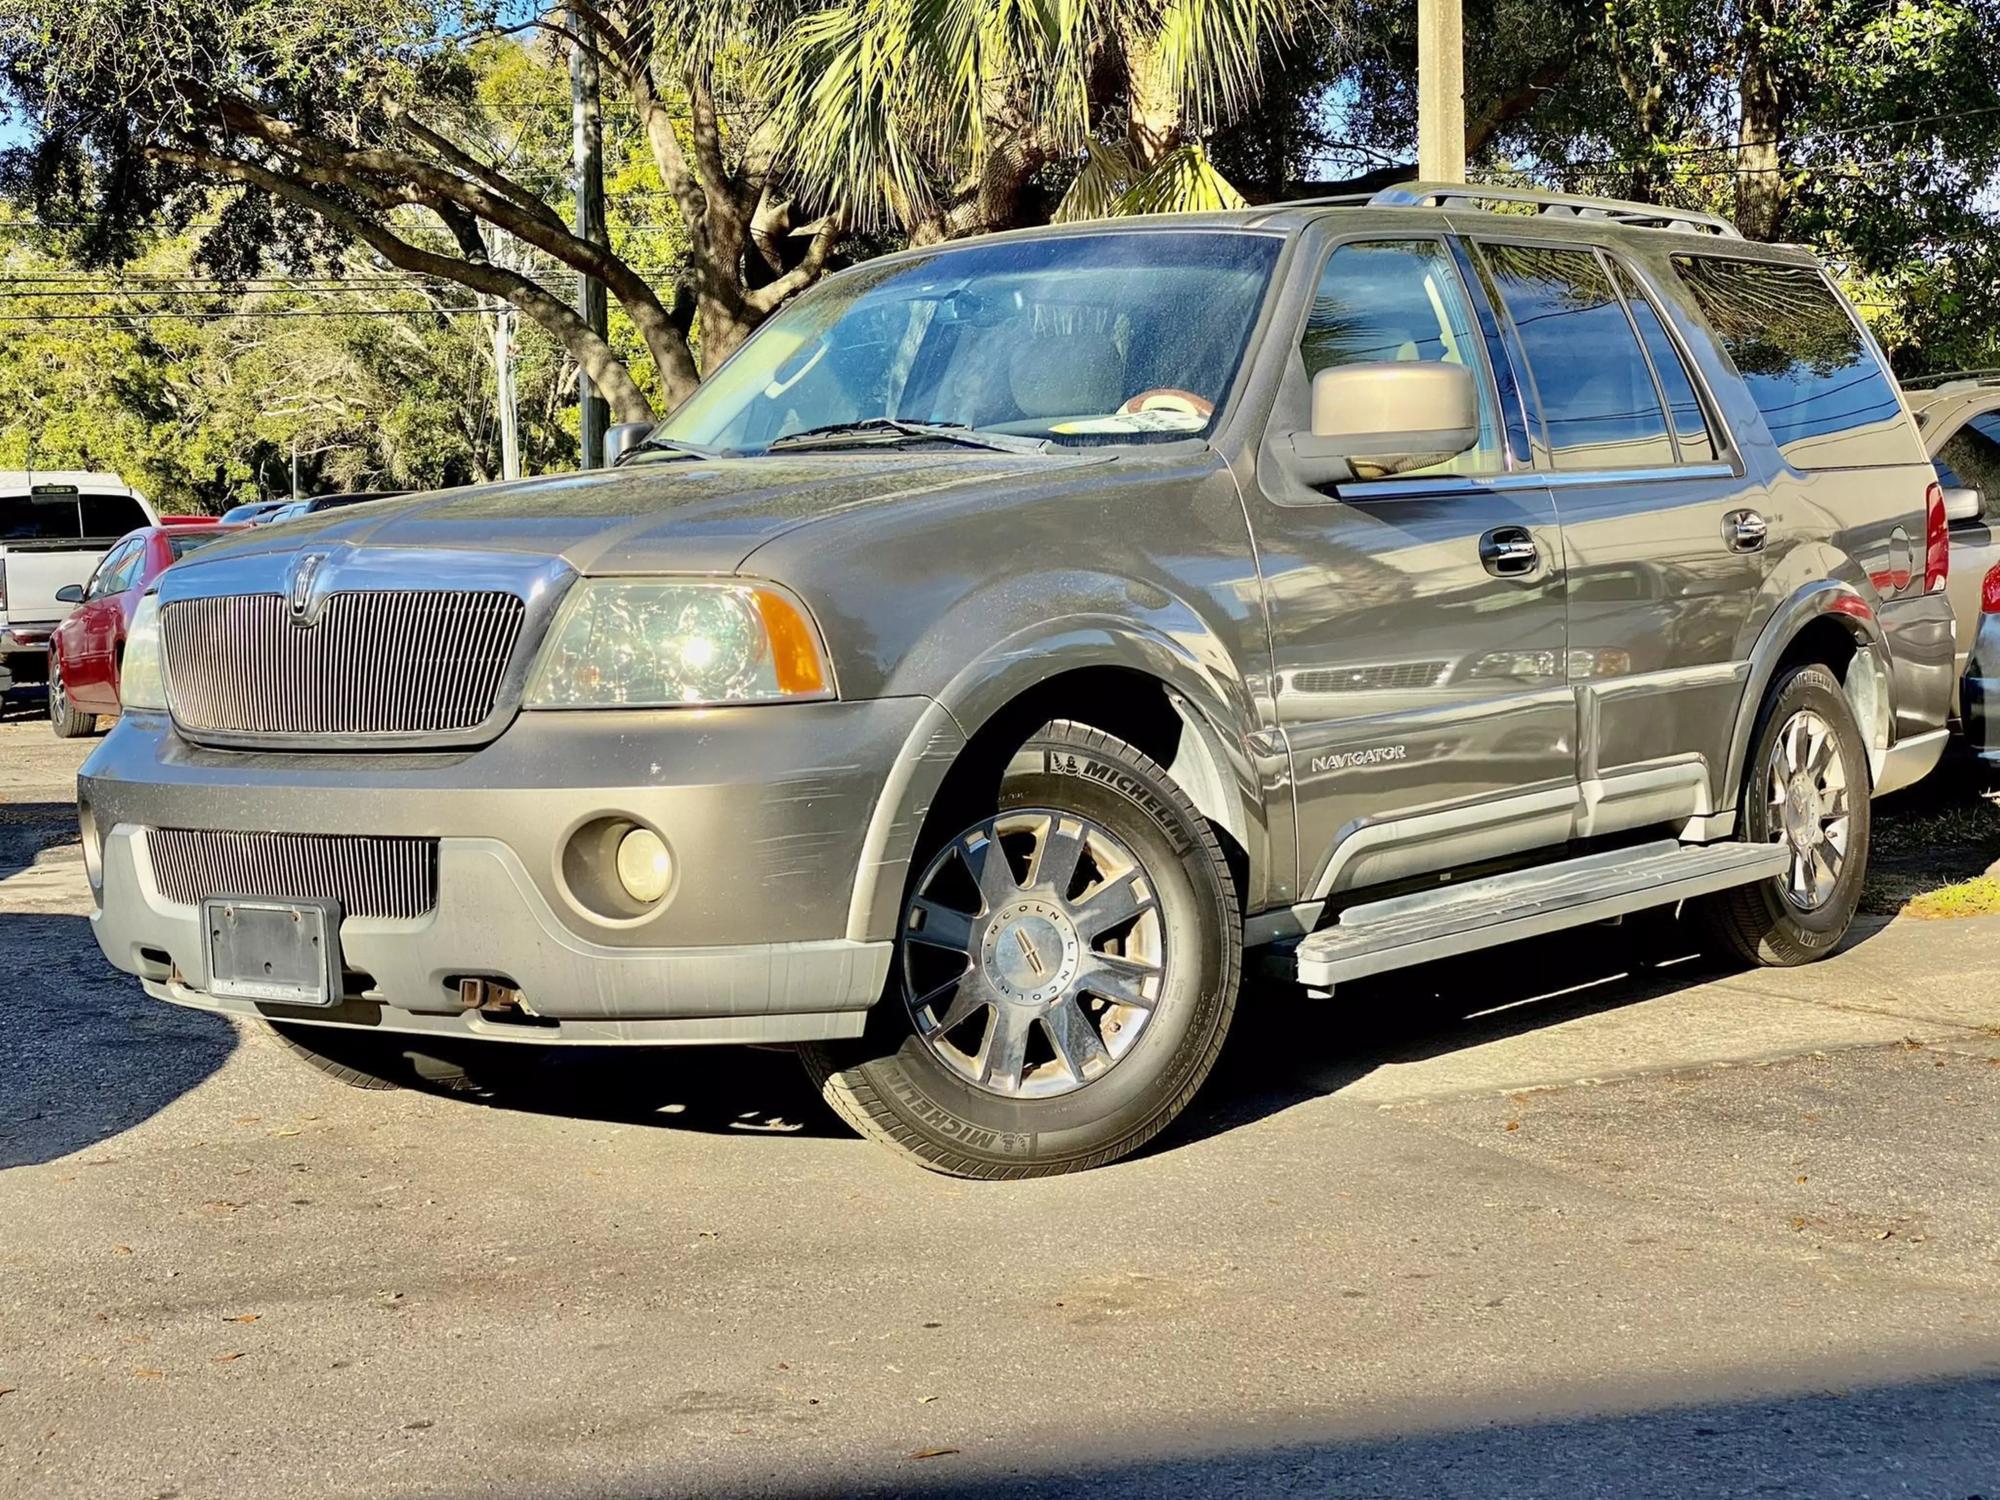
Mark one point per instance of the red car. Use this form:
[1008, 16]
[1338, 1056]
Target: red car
[85, 652]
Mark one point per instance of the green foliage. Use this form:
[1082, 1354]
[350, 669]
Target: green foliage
[202, 400]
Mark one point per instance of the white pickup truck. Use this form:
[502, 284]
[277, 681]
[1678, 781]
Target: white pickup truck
[54, 527]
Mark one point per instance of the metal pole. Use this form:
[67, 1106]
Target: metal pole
[295, 466]
[1440, 91]
[587, 150]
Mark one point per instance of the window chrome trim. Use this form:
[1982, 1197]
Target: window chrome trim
[1524, 479]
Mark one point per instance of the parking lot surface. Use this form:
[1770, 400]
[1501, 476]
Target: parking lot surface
[1586, 1216]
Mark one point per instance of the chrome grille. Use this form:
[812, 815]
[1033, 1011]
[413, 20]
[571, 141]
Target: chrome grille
[369, 877]
[375, 662]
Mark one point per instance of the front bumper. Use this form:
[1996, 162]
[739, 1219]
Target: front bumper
[766, 811]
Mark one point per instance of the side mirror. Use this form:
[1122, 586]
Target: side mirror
[70, 593]
[1374, 420]
[621, 436]
[1963, 504]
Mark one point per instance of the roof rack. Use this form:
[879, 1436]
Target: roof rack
[1957, 379]
[1555, 205]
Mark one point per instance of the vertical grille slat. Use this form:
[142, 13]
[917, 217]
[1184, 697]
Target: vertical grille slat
[368, 876]
[376, 662]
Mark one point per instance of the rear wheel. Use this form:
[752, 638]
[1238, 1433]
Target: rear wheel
[1066, 972]
[65, 718]
[369, 1059]
[1806, 787]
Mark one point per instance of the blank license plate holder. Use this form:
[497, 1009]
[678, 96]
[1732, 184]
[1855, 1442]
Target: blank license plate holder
[279, 952]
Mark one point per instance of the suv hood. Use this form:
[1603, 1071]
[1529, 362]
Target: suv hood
[655, 515]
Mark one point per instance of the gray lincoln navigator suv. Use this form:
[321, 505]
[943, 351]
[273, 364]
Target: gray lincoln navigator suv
[1015, 632]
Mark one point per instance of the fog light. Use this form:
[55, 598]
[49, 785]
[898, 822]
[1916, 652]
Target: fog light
[644, 867]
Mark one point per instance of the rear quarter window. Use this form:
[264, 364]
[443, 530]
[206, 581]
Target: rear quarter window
[1815, 378]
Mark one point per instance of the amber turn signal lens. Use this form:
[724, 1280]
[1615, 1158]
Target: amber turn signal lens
[794, 644]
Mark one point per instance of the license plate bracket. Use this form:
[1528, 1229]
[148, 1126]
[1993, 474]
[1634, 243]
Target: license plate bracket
[280, 952]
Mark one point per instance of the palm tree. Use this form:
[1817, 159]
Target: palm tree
[941, 113]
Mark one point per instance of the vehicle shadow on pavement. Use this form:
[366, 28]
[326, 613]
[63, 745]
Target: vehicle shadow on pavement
[84, 1054]
[1933, 1437]
[722, 1090]
[1287, 1048]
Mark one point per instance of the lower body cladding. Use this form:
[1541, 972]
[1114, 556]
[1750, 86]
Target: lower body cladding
[479, 894]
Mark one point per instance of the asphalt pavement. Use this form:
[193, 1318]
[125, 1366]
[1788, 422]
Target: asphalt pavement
[1592, 1216]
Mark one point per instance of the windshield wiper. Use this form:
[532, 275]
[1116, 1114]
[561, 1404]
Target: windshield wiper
[654, 443]
[894, 429]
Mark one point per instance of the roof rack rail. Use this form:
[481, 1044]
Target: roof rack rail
[1966, 379]
[1556, 205]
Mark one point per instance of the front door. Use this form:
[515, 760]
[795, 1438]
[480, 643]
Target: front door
[1417, 621]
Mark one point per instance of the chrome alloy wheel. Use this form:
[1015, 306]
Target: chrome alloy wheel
[58, 699]
[1806, 785]
[1034, 953]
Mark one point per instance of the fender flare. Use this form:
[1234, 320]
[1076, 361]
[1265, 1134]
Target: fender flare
[1827, 598]
[1213, 765]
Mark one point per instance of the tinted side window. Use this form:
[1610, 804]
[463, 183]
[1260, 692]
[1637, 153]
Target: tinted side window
[109, 578]
[1690, 426]
[1817, 381]
[1398, 300]
[1598, 397]
[1970, 457]
[111, 515]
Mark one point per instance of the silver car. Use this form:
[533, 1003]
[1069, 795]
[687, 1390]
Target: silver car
[1960, 419]
[1015, 634]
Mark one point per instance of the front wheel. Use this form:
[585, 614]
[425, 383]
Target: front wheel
[65, 718]
[1065, 974]
[1806, 786]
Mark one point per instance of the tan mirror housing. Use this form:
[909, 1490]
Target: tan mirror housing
[1962, 503]
[1373, 420]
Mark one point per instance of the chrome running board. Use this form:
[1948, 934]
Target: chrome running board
[1414, 929]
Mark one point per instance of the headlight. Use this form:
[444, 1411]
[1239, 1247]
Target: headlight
[623, 643]
[142, 682]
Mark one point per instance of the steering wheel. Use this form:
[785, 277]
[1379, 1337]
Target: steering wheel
[1168, 398]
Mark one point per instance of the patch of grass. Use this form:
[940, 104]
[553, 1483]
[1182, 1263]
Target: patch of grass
[1977, 897]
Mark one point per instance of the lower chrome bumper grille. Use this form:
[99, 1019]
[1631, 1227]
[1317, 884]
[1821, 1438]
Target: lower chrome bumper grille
[368, 876]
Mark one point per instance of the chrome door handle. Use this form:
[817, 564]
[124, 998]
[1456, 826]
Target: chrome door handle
[1509, 552]
[1745, 530]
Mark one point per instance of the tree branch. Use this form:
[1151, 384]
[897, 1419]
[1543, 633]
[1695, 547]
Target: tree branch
[596, 357]
[766, 298]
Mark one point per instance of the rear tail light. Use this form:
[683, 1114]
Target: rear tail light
[1989, 591]
[1937, 540]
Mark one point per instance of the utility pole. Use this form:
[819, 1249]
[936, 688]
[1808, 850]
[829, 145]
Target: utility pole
[587, 153]
[1440, 91]
[504, 394]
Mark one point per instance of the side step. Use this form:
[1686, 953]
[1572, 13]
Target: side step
[1414, 929]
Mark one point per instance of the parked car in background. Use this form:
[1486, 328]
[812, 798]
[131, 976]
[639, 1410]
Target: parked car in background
[54, 527]
[255, 510]
[88, 648]
[1960, 419]
[1014, 632]
[291, 510]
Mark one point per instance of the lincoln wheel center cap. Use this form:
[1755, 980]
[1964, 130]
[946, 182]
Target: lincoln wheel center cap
[1802, 812]
[1031, 951]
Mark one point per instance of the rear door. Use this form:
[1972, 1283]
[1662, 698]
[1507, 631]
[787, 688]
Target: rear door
[1417, 621]
[1663, 543]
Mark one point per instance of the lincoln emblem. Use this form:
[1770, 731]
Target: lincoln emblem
[304, 571]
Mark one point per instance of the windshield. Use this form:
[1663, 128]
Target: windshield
[1116, 337]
